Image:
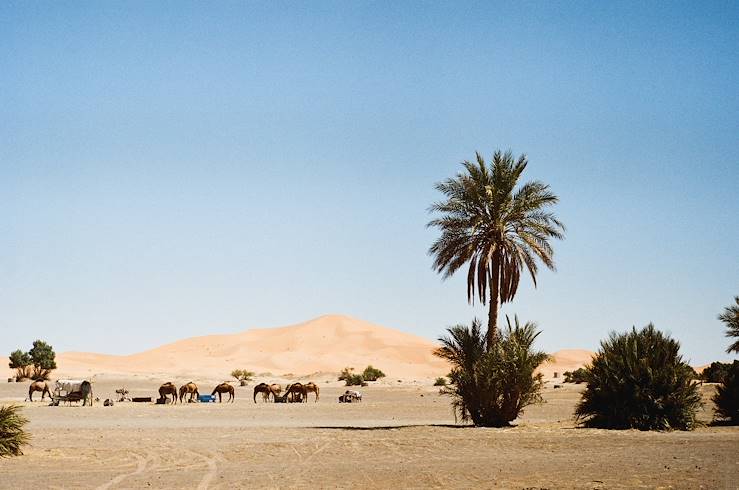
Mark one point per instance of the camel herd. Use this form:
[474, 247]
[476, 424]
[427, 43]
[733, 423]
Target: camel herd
[294, 392]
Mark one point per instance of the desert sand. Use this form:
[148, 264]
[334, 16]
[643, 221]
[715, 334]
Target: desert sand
[402, 436]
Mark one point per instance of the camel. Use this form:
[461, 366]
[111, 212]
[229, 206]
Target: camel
[41, 386]
[224, 388]
[311, 387]
[190, 388]
[297, 392]
[276, 389]
[168, 388]
[264, 389]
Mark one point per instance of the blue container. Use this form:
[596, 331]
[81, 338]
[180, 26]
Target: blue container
[206, 398]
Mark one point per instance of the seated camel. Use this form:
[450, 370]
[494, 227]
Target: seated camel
[168, 388]
[190, 388]
[41, 386]
[296, 392]
[224, 388]
[311, 387]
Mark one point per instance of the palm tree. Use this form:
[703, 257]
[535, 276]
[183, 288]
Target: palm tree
[494, 227]
[730, 317]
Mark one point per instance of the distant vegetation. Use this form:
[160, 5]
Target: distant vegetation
[37, 363]
[577, 376]
[12, 431]
[350, 378]
[716, 372]
[372, 374]
[638, 380]
[491, 385]
[242, 375]
[440, 382]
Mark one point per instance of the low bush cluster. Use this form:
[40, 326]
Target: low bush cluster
[577, 376]
[638, 380]
[492, 384]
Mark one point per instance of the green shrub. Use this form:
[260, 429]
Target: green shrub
[350, 378]
[12, 431]
[727, 396]
[716, 372]
[491, 384]
[638, 380]
[577, 376]
[372, 374]
[440, 382]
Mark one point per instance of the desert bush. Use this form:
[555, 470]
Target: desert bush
[242, 375]
[440, 382]
[491, 384]
[577, 376]
[638, 380]
[716, 372]
[727, 396]
[372, 374]
[350, 378]
[21, 362]
[12, 431]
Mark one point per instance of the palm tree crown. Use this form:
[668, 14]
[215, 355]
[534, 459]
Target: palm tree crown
[730, 317]
[494, 227]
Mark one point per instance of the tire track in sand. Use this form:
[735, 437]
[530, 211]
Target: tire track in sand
[142, 463]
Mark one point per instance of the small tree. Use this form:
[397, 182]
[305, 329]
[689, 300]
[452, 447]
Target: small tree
[21, 362]
[638, 380]
[242, 375]
[12, 431]
[727, 396]
[43, 359]
[577, 376]
[372, 374]
[440, 381]
[492, 384]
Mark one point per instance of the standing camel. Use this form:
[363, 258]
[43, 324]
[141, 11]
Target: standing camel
[190, 388]
[297, 392]
[168, 388]
[311, 387]
[264, 389]
[41, 386]
[224, 388]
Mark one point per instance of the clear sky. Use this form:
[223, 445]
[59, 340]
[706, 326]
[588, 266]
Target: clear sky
[187, 168]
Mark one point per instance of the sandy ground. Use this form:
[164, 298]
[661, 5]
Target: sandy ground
[402, 436]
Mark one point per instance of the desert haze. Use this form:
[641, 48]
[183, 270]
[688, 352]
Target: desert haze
[325, 345]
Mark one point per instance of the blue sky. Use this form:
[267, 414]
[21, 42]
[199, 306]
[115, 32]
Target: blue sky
[185, 168]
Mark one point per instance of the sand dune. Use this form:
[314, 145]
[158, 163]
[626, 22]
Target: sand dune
[323, 345]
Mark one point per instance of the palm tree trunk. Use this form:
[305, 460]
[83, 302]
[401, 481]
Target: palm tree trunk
[494, 295]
